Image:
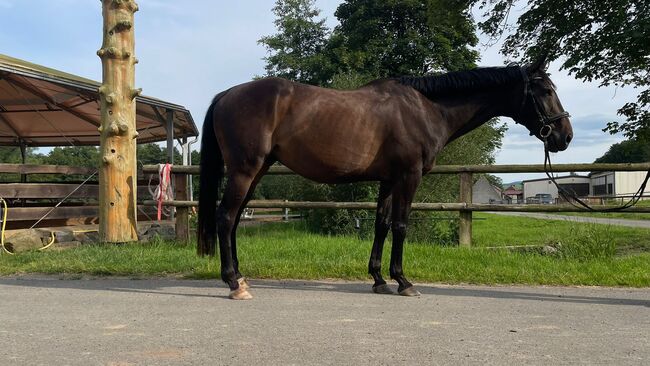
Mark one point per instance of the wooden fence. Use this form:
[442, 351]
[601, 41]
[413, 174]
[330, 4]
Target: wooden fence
[30, 199]
[465, 207]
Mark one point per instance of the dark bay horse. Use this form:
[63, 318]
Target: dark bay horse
[389, 130]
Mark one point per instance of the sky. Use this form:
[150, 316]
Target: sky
[190, 50]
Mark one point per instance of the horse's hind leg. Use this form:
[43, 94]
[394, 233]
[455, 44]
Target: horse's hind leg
[403, 193]
[239, 183]
[233, 237]
[382, 225]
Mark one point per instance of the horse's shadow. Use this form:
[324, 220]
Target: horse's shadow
[216, 289]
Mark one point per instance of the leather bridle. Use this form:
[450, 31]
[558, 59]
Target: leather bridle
[545, 122]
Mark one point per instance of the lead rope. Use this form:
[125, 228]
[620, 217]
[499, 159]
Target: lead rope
[164, 191]
[575, 201]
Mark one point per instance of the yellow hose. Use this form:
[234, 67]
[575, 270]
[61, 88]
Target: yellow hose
[4, 224]
[50, 243]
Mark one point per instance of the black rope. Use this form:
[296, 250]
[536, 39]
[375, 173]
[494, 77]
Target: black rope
[572, 198]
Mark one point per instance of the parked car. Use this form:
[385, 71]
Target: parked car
[544, 198]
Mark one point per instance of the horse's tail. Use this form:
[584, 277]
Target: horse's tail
[212, 172]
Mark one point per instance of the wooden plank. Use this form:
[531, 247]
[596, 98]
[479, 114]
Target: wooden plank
[47, 190]
[465, 222]
[454, 169]
[45, 169]
[415, 206]
[55, 190]
[61, 212]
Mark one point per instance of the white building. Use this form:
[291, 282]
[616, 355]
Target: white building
[617, 183]
[576, 183]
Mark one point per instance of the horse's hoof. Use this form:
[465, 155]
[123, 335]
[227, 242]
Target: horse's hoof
[382, 289]
[240, 294]
[243, 283]
[409, 291]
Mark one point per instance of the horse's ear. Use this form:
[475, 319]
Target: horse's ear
[538, 66]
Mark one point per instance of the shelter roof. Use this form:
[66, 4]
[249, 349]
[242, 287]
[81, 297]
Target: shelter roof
[41, 106]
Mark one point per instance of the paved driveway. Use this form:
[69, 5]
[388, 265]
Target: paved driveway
[48, 321]
[587, 219]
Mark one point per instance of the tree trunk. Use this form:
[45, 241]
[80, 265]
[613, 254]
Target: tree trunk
[117, 167]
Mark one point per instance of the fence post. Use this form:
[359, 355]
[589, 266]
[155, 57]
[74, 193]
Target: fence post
[465, 222]
[182, 213]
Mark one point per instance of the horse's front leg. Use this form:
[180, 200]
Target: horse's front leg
[403, 193]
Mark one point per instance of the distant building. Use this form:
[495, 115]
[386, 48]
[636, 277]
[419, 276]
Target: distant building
[514, 195]
[578, 184]
[484, 192]
[616, 184]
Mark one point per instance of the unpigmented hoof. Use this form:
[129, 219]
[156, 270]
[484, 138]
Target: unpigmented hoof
[240, 294]
[410, 291]
[243, 283]
[382, 289]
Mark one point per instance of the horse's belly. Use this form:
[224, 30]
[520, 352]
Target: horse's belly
[328, 163]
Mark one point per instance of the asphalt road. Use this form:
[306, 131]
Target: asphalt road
[49, 321]
[587, 219]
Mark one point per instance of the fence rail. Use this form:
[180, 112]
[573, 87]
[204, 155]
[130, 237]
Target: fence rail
[465, 207]
[455, 169]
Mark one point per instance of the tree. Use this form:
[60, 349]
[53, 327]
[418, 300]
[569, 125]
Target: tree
[635, 150]
[154, 154]
[297, 50]
[600, 40]
[86, 156]
[404, 37]
[11, 155]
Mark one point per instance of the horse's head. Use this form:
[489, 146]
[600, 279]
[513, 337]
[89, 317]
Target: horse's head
[541, 111]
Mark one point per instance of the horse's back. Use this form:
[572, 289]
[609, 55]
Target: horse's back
[323, 134]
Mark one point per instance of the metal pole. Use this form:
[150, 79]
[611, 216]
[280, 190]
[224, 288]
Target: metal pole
[170, 136]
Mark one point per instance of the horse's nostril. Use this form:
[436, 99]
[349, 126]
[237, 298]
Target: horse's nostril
[569, 137]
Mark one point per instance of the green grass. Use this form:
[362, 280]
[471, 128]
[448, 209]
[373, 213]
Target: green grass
[284, 251]
[500, 230]
[614, 215]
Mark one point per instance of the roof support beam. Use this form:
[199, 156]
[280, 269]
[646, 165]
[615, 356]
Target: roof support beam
[47, 98]
[7, 121]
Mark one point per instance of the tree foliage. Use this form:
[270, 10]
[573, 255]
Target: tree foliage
[598, 40]
[636, 150]
[296, 52]
[404, 37]
[154, 154]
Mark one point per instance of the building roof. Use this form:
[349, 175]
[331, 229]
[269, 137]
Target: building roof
[512, 190]
[40, 106]
[557, 178]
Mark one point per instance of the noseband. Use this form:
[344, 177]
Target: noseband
[546, 122]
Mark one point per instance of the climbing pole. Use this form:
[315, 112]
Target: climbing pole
[117, 167]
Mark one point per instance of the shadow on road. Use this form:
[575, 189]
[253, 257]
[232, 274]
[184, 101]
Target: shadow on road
[216, 289]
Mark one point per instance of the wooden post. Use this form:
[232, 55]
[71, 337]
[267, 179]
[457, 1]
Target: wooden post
[23, 158]
[465, 222]
[182, 213]
[117, 167]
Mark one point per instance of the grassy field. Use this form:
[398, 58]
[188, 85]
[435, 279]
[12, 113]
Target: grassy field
[587, 255]
[614, 215]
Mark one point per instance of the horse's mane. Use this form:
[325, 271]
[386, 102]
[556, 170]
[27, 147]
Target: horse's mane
[462, 81]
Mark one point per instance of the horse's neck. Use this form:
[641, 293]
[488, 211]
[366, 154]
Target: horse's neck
[468, 112]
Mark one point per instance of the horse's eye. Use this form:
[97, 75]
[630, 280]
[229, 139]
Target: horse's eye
[548, 92]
